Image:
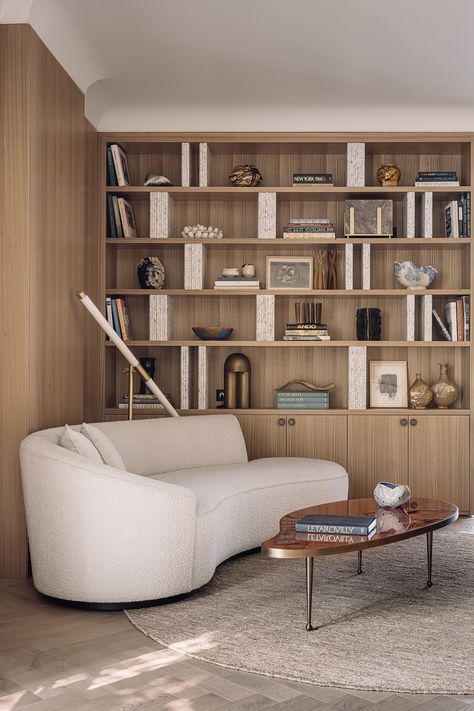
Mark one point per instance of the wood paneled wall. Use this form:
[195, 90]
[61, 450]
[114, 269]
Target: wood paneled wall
[42, 180]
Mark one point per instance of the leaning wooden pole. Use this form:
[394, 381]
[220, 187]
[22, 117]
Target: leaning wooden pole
[126, 352]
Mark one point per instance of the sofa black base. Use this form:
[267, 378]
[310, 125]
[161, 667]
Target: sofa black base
[114, 606]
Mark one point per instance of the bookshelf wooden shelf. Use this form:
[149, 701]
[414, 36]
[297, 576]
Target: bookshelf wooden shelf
[253, 221]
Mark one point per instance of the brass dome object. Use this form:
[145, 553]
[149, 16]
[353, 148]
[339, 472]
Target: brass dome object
[237, 380]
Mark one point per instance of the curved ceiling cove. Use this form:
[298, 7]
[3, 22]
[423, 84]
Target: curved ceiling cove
[264, 64]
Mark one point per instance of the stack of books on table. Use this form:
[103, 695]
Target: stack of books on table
[306, 332]
[457, 217]
[458, 317]
[337, 529]
[436, 179]
[311, 227]
[142, 401]
[324, 179]
[237, 282]
[302, 400]
[117, 316]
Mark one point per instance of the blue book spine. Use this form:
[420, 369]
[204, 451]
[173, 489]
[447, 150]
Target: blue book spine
[112, 231]
[332, 529]
[302, 406]
[115, 318]
[111, 175]
[284, 397]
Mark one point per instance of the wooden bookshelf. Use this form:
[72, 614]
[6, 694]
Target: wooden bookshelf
[355, 437]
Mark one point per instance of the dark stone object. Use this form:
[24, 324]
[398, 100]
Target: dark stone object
[245, 175]
[369, 325]
[151, 273]
[147, 364]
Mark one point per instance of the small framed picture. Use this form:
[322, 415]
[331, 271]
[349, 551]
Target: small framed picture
[289, 273]
[388, 383]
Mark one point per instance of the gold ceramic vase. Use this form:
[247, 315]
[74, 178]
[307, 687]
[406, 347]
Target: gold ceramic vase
[420, 394]
[445, 392]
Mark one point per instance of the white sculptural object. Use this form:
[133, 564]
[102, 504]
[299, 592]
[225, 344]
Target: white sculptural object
[391, 495]
[413, 276]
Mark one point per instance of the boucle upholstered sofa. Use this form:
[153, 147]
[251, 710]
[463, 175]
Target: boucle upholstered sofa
[188, 500]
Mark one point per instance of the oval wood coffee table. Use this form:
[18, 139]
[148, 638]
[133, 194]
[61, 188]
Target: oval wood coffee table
[418, 516]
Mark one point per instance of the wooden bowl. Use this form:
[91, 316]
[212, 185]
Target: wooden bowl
[212, 333]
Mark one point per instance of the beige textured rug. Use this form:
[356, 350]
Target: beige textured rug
[382, 631]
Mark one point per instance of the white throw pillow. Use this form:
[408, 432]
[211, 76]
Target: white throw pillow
[104, 446]
[76, 442]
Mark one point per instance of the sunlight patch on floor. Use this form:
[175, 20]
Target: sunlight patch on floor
[196, 644]
[133, 667]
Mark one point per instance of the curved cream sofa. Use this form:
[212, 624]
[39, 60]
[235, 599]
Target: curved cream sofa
[103, 537]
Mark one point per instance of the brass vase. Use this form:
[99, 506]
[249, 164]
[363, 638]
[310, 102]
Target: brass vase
[420, 394]
[445, 392]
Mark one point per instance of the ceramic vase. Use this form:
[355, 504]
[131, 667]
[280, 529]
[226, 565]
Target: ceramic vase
[388, 175]
[420, 394]
[445, 392]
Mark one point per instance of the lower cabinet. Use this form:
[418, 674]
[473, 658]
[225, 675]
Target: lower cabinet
[265, 435]
[429, 452]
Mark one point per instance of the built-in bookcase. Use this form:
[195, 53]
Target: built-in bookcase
[252, 220]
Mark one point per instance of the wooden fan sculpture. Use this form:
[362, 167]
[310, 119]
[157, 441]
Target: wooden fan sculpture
[128, 355]
[332, 273]
[320, 275]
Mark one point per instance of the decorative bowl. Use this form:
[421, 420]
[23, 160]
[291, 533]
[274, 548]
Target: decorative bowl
[212, 333]
[391, 495]
[412, 276]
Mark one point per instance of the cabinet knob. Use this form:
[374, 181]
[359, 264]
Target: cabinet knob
[403, 422]
[413, 422]
[291, 422]
[281, 421]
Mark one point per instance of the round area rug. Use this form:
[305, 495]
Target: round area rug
[382, 631]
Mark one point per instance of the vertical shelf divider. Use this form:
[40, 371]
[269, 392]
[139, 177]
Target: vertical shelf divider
[160, 317]
[357, 378]
[185, 378]
[355, 165]
[349, 266]
[185, 165]
[161, 214]
[409, 215]
[203, 378]
[265, 317]
[427, 317]
[204, 165]
[366, 266]
[266, 216]
[427, 214]
[410, 317]
[194, 266]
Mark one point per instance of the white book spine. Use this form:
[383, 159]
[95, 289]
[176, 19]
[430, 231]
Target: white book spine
[409, 214]
[356, 165]
[427, 214]
[267, 207]
[349, 266]
[410, 317]
[427, 317]
[265, 317]
[160, 317]
[203, 378]
[366, 266]
[185, 378]
[357, 374]
[185, 165]
[438, 184]
[161, 214]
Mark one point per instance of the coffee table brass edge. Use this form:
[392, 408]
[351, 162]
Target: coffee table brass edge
[309, 560]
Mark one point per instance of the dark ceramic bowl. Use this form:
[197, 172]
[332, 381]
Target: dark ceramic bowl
[212, 333]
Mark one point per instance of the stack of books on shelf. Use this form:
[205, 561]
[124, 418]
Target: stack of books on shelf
[117, 166]
[436, 179]
[241, 283]
[458, 320]
[311, 227]
[142, 402]
[120, 219]
[117, 316]
[302, 400]
[457, 217]
[306, 332]
[312, 179]
[336, 529]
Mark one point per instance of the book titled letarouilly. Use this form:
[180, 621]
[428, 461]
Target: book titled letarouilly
[347, 525]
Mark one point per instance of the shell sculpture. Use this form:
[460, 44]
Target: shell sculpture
[156, 180]
[412, 276]
[388, 175]
[245, 176]
[202, 232]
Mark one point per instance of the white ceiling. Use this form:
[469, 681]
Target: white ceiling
[263, 64]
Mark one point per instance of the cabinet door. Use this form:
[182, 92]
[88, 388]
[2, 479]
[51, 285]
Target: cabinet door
[265, 435]
[377, 451]
[318, 437]
[439, 458]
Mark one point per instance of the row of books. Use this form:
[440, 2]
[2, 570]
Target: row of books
[302, 400]
[436, 178]
[142, 401]
[327, 525]
[311, 227]
[457, 217]
[458, 320]
[117, 166]
[117, 316]
[120, 219]
[312, 179]
[306, 332]
[237, 282]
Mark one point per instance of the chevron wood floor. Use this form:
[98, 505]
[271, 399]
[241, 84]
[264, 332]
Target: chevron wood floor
[56, 659]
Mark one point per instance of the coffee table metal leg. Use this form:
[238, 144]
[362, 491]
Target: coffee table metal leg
[359, 563]
[429, 550]
[309, 593]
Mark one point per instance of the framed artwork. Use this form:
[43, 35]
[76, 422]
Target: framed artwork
[289, 273]
[388, 383]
